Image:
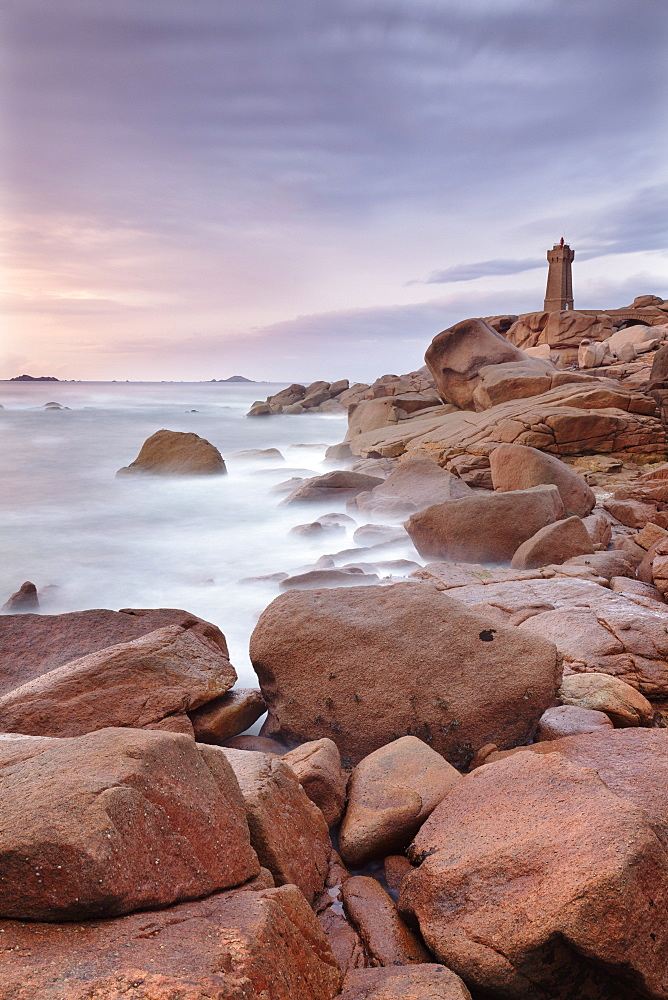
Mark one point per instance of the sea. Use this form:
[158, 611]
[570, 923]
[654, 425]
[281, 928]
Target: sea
[88, 539]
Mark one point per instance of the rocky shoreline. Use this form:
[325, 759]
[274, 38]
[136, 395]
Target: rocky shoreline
[457, 791]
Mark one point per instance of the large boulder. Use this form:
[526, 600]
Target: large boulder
[287, 830]
[115, 821]
[404, 982]
[554, 544]
[484, 527]
[537, 879]
[173, 453]
[456, 356]
[227, 716]
[390, 794]
[367, 666]
[317, 765]
[31, 645]
[163, 673]
[387, 939]
[561, 329]
[422, 483]
[233, 945]
[333, 486]
[516, 467]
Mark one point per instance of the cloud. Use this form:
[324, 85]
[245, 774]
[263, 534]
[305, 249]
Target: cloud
[480, 269]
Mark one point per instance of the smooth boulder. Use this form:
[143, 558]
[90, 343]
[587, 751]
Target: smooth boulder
[390, 794]
[115, 821]
[518, 467]
[317, 765]
[174, 453]
[333, 486]
[603, 693]
[228, 715]
[485, 527]
[538, 880]
[367, 666]
[404, 982]
[456, 356]
[570, 720]
[554, 544]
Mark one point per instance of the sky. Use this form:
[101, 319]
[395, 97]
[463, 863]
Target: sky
[306, 189]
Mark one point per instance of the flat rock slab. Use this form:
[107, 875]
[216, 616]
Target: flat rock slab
[232, 945]
[366, 666]
[115, 821]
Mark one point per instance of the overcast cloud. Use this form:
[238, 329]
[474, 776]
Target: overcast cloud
[258, 187]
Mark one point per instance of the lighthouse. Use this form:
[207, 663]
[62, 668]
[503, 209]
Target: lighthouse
[559, 292]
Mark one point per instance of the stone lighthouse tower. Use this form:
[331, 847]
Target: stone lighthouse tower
[559, 292]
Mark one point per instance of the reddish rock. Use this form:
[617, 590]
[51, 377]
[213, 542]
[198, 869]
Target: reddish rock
[452, 530]
[179, 723]
[456, 356]
[230, 946]
[173, 453]
[517, 467]
[31, 645]
[386, 937]
[130, 684]
[604, 564]
[649, 535]
[553, 544]
[422, 482]
[228, 715]
[367, 666]
[598, 525]
[602, 693]
[260, 744]
[115, 821]
[337, 486]
[539, 880]
[632, 513]
[569, 720]
[316, 529]
[412, 982]
[378, 534]
[287, 830]
[317, 765]
[390, 794]
[634, 589]
[395, 868]
[316, 579]
[24, 599]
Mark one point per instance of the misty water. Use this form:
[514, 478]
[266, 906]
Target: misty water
[97, 541]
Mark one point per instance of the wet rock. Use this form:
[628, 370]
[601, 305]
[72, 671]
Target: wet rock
[395, 868]
[569, 720]
[318, 578]
[228, 715]
[384, 507]
[517, 467]
[130, 684]
[554, 544]
[503, 834]
[337, 486]
[386, 937]
[366, 666]
[287, 830]
[317, 765]
[259, 410]
[342, 520]
[339, 453]
[421, 982]
[259, 454]
[374, 534]
[316, 529]
[621, 703]
[390, 794]
[173, 453]
[24, 599]
[452, 530]
[115, 821]
[236, 945]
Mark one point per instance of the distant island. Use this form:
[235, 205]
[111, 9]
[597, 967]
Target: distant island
[34, 378]
[233, 378]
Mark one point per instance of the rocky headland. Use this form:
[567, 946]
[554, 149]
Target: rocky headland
[458, 789]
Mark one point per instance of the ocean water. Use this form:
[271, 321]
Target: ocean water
[95, 541]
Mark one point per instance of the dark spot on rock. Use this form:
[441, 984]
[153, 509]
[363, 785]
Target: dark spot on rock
[487, 634]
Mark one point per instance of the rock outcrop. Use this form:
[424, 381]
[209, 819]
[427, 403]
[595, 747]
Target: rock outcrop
[367, 666]
[173, 453]
[516, 467]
